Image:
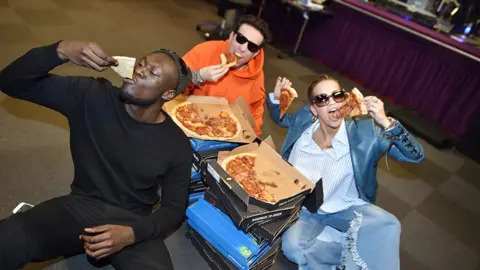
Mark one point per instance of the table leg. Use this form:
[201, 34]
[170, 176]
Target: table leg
[300, 35]
[259, 15]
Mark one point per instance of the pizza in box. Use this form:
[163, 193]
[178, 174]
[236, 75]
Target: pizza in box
[241, 167]
[220, 127]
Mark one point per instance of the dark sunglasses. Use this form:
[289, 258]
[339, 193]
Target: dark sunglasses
[241, 39]
[322, 99]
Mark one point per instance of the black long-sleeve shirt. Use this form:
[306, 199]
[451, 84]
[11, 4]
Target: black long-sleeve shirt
[117, 160]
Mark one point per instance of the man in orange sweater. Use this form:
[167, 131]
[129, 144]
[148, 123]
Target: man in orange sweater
[244, 78]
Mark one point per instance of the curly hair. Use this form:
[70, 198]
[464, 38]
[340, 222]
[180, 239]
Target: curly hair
[257, 23]
[319, 79]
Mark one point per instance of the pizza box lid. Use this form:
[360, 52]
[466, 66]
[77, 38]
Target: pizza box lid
[271, 168]
[212, 106]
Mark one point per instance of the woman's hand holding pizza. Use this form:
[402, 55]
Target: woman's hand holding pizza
[376, 111]
[281, 83]
[216, 72]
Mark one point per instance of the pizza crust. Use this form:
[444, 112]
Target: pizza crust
[359, 96]
[126, 66]
[223, 59]
[230, 158]
[180, 124]
[192, 133]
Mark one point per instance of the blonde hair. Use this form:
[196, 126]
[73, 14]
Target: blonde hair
[319, 79]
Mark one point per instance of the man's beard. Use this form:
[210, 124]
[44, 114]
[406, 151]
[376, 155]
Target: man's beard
[129, 99]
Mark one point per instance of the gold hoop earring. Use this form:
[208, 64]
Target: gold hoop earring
[314, 118]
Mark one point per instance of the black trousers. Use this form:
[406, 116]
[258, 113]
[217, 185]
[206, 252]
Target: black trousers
[52, 229]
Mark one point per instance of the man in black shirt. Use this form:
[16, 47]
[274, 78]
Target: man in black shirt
[123, 147]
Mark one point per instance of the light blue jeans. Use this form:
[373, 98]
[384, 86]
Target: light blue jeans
[364, 237]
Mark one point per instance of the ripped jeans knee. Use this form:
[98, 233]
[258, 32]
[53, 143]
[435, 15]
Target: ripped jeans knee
[350, 244]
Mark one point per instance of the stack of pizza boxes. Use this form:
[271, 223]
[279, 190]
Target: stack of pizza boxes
[197, 186]
[237, 230]
[202, 151]
[231, 228]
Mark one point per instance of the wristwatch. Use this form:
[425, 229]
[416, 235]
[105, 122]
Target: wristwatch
[196, 78]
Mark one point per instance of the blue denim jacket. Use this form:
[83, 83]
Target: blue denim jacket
[368, 142]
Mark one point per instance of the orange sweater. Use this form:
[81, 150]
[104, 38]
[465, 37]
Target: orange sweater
[247, 83]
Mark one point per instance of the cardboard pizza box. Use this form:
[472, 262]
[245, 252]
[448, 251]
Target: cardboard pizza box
[213, 258]
[270, 232]
[284, 182]
[204, 145]
[200, 160]
[197, 182]
[211, 106]
[197, 188]
[221, 234]
[194, 197]
[201, 157]
[218, 229]
[246, 217]
[194, 175]
[216, 260]
[266, 230]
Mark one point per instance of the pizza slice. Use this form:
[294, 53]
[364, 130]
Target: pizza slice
[187, 112]
[231, 58]
[126, 66]
[241, 168]
[354, 105]
[186, 115]
[222, 126]
[287, 95]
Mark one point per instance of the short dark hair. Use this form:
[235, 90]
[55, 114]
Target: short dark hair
[319, 79]
[184, 73]
[257, 23]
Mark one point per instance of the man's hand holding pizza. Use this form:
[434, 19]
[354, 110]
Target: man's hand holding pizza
[216, 72]
[377, 111]
[85, 54]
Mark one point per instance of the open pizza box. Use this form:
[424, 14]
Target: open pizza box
[212, 106]
[244, 216]
[279, 178]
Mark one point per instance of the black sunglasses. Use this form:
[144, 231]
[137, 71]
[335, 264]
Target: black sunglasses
[322, 99]
[241, 39]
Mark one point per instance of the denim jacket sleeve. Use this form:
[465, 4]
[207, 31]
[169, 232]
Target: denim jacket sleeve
[274, 107]
[399, 144]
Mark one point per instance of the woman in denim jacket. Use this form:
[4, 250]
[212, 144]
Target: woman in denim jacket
[347, 230]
